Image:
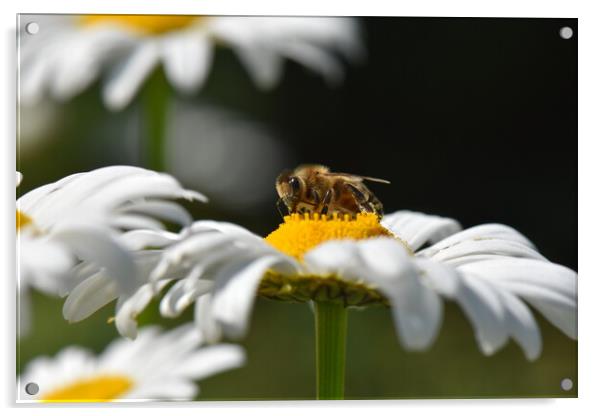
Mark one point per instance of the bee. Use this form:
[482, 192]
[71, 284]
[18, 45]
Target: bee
[315, 189]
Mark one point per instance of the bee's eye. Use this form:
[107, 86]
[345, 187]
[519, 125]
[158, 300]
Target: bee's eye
[295, 184]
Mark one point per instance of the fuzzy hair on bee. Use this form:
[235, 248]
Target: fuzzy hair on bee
[314, 188]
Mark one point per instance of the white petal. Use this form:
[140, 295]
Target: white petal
[264, 66]
[497, 313]
[236, 288]
[211, 360]
[187, 58]
[340, 258]
[417, 309]
[133, 187]
[417, 312]
[53, 200]
[549, 287]
[166, 210]
[417, 229]
[209, 329]
[484, 309]
[80, 273]
[480, 232]
[123, 352]
[125, 221]
[88, 297]
[260, 42]
[476, 250]
[203, 248]
[43, 263]
[254, 50]
[227, 228]
[347, 36]
[543, 274]
[184, 292]
[128, 309]
[80, 58]
[562, 316]
[386, 264]
[139, 239]
[521, 325]
[96, 245]
[31, 198]
[126, 79]
[441, 277]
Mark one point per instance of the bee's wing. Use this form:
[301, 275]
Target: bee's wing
[356, 178]
[368, 178]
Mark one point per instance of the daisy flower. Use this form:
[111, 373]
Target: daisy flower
[82, 218]
[409, 261]
[155, 366]
[71, 52]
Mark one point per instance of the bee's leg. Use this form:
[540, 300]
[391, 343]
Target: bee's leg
[280, 205]
[315, 198]
[377, 206]
[325, 204]
[313, 195]
[363, 203]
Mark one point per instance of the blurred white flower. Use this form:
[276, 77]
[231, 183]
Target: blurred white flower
[81, 218]
[489, 270]
[155, 366]
[70, 52]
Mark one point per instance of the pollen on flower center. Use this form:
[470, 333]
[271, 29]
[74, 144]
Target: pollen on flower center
[146, 24]
[300, 233]
[102, 388]
[23, 220]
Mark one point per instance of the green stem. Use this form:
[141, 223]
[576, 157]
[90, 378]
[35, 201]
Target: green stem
[331, 337]
[155, 108]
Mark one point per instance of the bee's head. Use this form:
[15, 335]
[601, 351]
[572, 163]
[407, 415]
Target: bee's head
[289, 187]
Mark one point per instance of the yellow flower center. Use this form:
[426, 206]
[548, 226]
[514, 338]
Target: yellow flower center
[22, 220]
[102, 388]
[300, 233]
[144, 24]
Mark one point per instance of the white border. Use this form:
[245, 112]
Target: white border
[590, 207]
[507, 8]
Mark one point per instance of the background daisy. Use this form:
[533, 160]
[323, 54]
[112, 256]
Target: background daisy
[124, 49]
[156, 366]
[74, 51]
[81, 218]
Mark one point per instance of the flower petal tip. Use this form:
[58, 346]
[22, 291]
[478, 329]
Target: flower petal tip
[195, 196]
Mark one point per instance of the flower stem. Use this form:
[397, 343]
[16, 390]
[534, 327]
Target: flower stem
[155, 108]
[331, 337]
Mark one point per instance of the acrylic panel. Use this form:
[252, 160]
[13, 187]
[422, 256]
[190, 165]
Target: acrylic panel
[295, 208]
